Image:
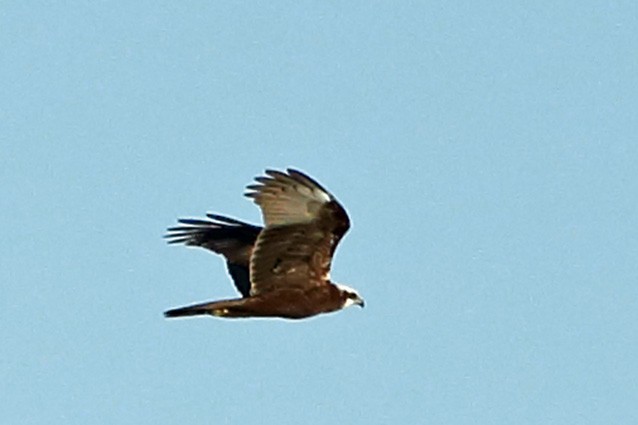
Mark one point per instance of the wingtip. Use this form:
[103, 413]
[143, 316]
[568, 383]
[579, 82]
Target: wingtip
[305, 178]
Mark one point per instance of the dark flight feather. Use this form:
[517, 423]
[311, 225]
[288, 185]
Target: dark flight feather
[232, 238]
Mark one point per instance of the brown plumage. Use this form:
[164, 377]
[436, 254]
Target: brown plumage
[283, 269]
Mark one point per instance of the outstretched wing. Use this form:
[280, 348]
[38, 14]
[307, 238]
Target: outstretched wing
[229, 237]
[304, 224]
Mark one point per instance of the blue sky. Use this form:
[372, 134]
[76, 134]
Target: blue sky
[486, 152]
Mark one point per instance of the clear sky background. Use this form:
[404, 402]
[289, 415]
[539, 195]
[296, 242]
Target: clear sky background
[486, 152]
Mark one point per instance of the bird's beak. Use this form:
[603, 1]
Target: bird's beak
[360, 302]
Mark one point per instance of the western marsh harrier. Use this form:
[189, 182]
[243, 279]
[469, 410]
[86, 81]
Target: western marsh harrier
[283, 269]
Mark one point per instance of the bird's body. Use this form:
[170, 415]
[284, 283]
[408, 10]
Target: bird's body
[286, 303]
[283, 269]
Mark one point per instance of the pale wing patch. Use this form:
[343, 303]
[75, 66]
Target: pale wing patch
[288, 198]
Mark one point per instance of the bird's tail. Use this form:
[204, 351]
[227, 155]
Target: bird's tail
[225, 308]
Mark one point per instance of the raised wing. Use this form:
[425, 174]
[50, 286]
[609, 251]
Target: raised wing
[304, 224]
[229, 237]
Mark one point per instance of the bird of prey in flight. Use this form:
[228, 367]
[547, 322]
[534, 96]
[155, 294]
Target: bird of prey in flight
[283, 269]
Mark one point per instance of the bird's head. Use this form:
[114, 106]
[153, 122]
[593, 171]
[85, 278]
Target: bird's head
[349, 296]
